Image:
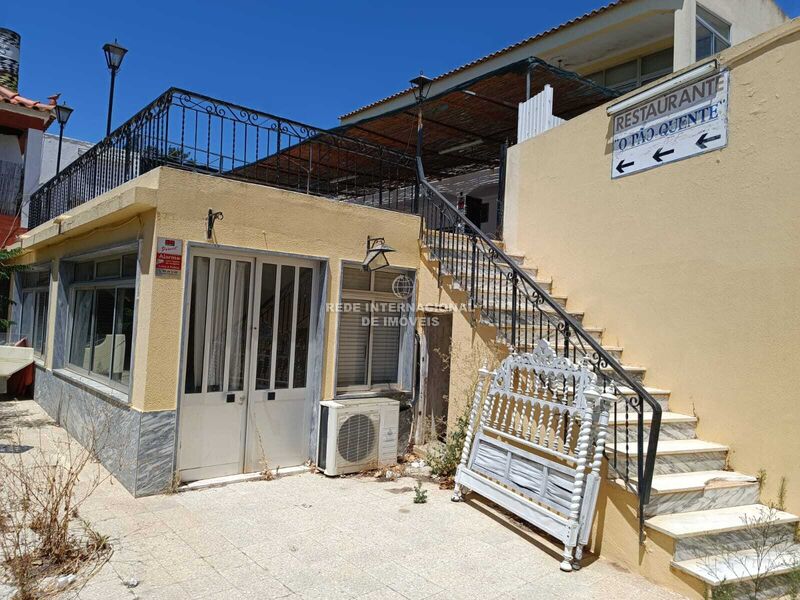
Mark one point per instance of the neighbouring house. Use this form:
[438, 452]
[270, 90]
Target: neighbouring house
[472, 109]
[22, 123]
[197, 276]
[27, 153]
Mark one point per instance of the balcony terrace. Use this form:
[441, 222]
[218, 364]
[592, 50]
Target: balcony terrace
[190, 131]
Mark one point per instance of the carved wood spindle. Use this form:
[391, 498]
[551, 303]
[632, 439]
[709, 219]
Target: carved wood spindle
[570, 433]
[598, 405]
[552, 415]
[577, 489]
[603, 402]
[559, 426]
[525, 423]
[488, 406]
[541, 392]
[504, 414]
[483, 376]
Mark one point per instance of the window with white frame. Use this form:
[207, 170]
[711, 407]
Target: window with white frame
[102, 299]
[371, 324]
[635, 73]
[34, 296]
[713, 34]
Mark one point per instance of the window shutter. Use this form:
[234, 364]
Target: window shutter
[385, 345]
[353, 340]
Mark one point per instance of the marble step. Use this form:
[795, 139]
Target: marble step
[462, 270]
[463, 250]
[464, 280]
[674, 426]
[658, 394]
[738, 570]
[673, 456]
[751, 535]
[463, 255]
[700, 490]
[459, 238]
[503, 313]
[704, 523]
[534, 332]
[635, 371]
[505, 301]
[463, 267]
[614, 351]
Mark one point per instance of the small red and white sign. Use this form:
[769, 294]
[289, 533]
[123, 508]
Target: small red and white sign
[169, 256]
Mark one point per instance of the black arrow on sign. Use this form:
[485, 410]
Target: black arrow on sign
[703, 140]
[623, 165]
[657, 156]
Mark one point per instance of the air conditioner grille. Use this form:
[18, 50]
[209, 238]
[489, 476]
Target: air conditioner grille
[356, 439]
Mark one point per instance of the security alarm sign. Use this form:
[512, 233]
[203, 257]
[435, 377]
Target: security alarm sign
[169, 256]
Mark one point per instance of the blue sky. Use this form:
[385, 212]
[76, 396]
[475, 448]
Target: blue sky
[308, 60]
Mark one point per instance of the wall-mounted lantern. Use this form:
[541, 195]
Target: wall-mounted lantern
[375, 259]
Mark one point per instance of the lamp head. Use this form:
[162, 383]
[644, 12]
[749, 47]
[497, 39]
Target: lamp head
[63, 113]
[114, 54]
[375, 259]
[421, 86]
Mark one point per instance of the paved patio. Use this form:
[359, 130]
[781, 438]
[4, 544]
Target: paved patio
[308, 536]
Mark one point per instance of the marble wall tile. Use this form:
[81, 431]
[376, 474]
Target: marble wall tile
[708, 499]
[154, 472]
[137, 448]
[747, 538]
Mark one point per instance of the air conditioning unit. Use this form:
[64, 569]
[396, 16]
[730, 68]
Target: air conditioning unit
[357, 434]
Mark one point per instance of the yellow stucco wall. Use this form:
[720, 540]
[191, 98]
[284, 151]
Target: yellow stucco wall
[261, 218]
[693, 267]
[471, 347]
[172, 203]
[125, 214]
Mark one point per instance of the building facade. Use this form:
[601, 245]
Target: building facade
[191, 303]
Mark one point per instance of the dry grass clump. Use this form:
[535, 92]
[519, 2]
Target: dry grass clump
[46, 546]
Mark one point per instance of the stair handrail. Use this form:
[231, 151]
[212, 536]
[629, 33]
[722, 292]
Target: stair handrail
[645, 467]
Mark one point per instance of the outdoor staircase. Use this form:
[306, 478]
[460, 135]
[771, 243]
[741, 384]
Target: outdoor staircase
[715, 527]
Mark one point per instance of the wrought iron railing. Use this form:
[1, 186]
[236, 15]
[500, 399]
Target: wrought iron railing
[191, 131]
[523, 312]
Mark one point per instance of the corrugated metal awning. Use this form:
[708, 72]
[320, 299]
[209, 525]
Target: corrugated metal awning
[465, 126]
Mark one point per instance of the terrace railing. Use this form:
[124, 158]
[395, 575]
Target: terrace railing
[510, 299]
[190, 131]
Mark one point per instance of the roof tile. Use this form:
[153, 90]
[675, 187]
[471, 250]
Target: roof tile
[12, 97]
[494, 54]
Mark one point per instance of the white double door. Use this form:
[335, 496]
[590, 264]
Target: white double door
[247, 356]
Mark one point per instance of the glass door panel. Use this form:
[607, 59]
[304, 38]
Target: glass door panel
[285, 327]
[266, 327]
[303, 327]
[239, 326]
[218, 324]
[277, 427]
[196, 336]
[214, 404]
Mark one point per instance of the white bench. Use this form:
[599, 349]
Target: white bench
[534, 444]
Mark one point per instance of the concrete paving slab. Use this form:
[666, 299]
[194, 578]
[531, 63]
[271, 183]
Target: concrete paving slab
[308, 536]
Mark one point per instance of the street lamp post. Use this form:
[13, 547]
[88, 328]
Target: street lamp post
[114, 55]
[63, 113]
[421, 87]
